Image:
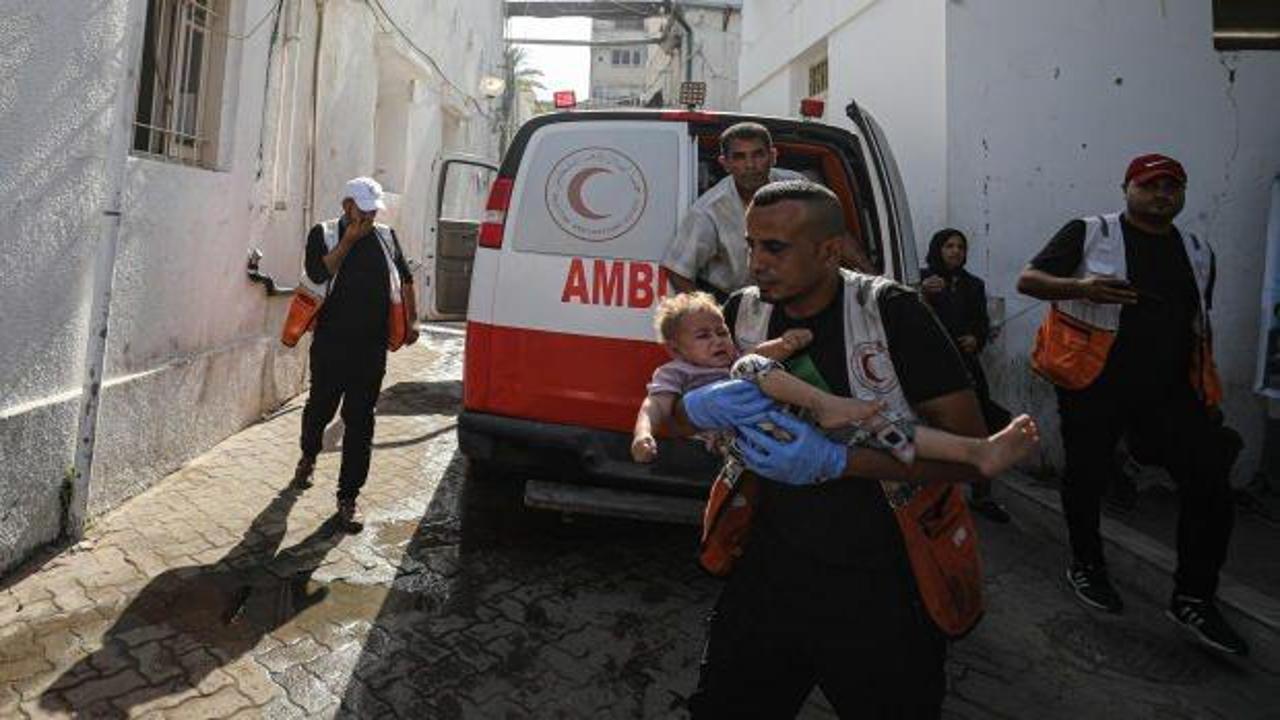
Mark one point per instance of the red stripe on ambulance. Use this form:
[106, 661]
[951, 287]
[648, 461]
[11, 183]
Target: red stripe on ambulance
[558, 377]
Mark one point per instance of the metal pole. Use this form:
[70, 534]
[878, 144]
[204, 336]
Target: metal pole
[313, 139]
[688, 42]
[77, 509]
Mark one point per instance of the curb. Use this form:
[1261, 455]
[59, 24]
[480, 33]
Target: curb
[1143, 566]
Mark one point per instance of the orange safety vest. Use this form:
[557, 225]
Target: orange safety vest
[936, 527]
[304, 308]
[1075, 339]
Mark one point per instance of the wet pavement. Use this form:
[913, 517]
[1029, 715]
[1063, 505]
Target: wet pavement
[222, 593]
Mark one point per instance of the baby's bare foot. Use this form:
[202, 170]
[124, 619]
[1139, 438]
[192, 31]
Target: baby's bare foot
[838, 412]
[1008, 447]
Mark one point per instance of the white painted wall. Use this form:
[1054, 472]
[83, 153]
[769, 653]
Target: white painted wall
[193, 354]
[1009, 119]
[717, 40]
[774, 33]
[1047, 103]
[888, 55]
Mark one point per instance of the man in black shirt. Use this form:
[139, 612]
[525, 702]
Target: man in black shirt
[1149, 285]
[824, 593]
[354, 259]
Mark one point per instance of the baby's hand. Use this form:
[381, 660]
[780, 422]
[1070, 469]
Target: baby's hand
[795, 339]
[644, 448]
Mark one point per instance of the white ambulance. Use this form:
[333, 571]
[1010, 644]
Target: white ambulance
[565, 276]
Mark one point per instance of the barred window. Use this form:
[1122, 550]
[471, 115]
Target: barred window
[818, 78]
[180, 85]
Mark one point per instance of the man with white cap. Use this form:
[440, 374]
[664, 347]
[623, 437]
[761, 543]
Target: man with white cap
[355, 258]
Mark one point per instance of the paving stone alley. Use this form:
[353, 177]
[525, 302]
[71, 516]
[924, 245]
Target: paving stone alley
[221, 593]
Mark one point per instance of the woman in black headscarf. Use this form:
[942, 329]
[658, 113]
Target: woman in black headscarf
[959, 299]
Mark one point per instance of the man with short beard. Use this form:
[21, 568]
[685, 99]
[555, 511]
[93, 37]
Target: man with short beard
[707, 252]
[1136, 290]
[824, 590]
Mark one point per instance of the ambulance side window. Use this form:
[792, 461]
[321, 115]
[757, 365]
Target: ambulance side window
[464, 191]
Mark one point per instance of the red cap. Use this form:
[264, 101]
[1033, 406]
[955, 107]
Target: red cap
[1149, 167]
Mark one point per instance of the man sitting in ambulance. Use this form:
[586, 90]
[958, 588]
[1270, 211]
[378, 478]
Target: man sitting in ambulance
[709, 252]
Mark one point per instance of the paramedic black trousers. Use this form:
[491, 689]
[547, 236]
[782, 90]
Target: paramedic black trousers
[1171, 429]
[350, 374]
[785, 623]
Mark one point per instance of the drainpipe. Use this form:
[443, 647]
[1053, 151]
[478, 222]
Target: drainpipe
[76, 512]
[688, 43]
[309, 204]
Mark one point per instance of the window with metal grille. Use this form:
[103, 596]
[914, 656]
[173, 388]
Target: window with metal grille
[1246, 24]
[818, 78]
[180, 86]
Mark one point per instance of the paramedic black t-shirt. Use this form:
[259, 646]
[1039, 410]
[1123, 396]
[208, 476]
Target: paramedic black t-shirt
[847, 521]
[1153, 346]
[357, 306]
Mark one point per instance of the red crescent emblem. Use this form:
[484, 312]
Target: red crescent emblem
[576, 201]
[868, 369]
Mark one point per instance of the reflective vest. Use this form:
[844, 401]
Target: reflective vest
[934, 519]
[397, 321]
[1075, 339]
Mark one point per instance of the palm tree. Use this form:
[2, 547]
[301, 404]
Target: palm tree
[520, 78]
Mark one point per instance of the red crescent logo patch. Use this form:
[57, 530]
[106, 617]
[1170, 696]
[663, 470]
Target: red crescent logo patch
[873, 367]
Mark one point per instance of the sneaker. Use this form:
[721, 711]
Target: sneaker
[1093, 588]
[302, 473]
[990, 509]
[1203, 619]
[349, 520]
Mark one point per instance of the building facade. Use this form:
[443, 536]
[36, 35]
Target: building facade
[245, 119]
[1009, 119]
[618, 71]
[714, 45]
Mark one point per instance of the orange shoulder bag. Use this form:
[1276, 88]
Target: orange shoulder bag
[1068, 352]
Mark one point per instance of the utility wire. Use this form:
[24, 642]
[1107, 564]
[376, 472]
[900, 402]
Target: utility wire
[427, 56]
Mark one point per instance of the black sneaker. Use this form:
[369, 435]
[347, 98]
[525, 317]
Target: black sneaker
[1093, 588]
[349, 519]
[302, 473]
[1205, 622]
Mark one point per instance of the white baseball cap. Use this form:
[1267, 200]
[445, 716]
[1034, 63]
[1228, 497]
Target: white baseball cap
[365, 192]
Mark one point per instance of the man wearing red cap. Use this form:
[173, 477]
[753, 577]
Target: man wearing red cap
[1127, 344]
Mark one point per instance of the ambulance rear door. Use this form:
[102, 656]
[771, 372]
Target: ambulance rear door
[901, 259]
[461, 189]
[568, 320]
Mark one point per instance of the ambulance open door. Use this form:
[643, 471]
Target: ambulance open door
[461, 190]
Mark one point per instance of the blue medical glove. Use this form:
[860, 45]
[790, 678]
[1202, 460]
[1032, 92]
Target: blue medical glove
[809, 457]
[723, 404]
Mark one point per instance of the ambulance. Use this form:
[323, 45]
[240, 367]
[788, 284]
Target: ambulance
[565, 275]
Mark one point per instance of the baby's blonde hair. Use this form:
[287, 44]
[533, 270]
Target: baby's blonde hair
[673, 310]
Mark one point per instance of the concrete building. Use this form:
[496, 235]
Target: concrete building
[249, 115]
[618, 72]
[715, 30]
[1010, 118]
[696, 40]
